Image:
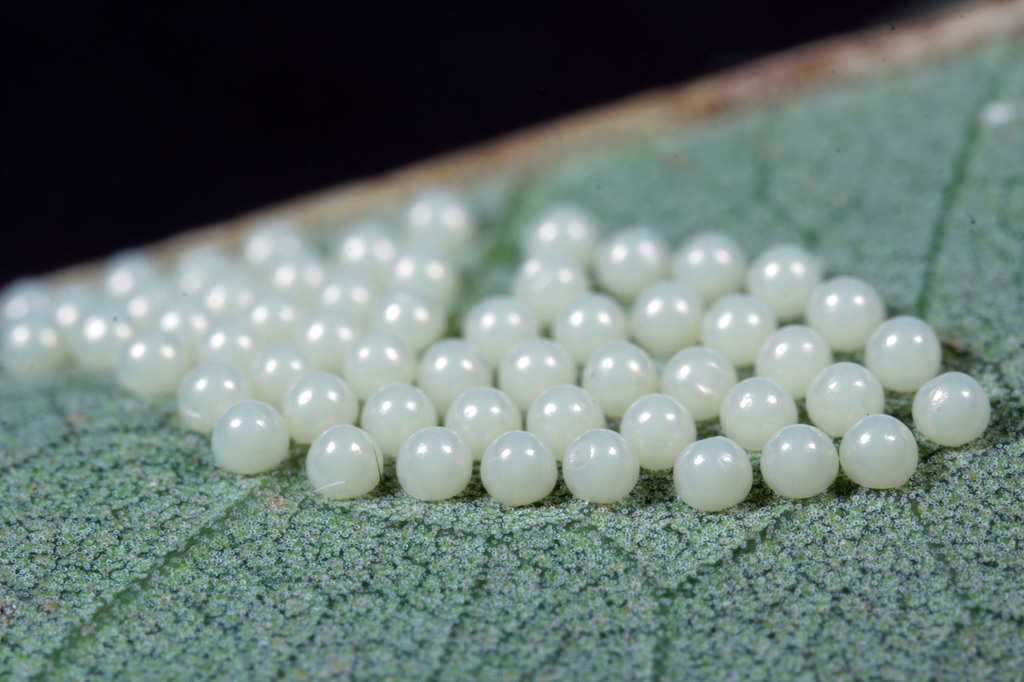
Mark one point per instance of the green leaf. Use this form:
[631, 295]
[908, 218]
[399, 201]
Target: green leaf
[125, 553]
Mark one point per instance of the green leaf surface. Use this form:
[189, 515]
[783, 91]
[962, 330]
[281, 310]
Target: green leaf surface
[125, 552]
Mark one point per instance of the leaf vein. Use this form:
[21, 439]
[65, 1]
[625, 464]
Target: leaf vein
[82, 633]
[951, 191]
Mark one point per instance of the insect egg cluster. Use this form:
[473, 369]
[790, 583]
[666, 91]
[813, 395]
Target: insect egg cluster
[601, 359]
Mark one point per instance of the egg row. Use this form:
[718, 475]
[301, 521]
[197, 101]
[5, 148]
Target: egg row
[951, 409]
[598, 465]
[903, 351]
[793, 365]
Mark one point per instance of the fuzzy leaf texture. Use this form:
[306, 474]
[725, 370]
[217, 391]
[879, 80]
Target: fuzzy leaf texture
[125, 553]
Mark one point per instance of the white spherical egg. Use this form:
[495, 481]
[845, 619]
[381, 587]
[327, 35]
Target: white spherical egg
[275, 369]
[518, 469]
[125, 272]
[98, 340]
[698, 377]
[229, 340]
[481, 414]
[666, 317]
[393, 413]
[627, 261]
[270, 239]
[434, 464]
[368, 247]
[712, 264]
[196, 267]
[904, 352]
[349, 290]
[315, 402]
[249, 437]
[792, 357]
[879, 452]
[147, 302]
[274, 317]
[546, 283]
[187, 320]
[207, 390]
[416, 319]
[841, 395]
[564, 229]
[951, 409]
[783, 278]
[533, 366]
[302, 275]
[374, 359]
[70, 307]
[754, 409]
[344, 462]
[658, 427]
[560, 414]
[31, 344]
[616, 374]
[713, 474]
[450, 367]
[442, 218]
[799, 461]
[153, 363]
[496, 324]
[426, 271]
[24, 297]
[736, 326]
[600, 467]
[324, 336]
[229, 293]
[588, 321]
[845, 310]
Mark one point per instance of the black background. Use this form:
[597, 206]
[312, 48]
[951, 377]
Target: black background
[125, 123]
